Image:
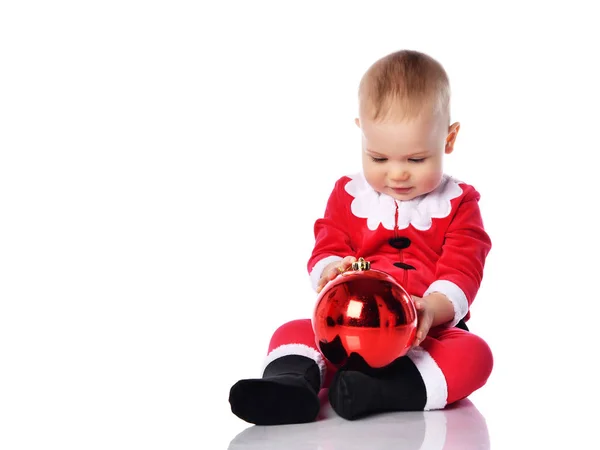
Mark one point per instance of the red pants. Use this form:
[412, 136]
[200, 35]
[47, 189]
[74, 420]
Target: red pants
[452, 362]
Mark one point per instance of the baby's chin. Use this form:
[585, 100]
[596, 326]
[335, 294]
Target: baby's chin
[405, 198]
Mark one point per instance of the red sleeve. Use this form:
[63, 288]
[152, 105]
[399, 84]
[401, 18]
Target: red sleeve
[465, 248]
[332, 238]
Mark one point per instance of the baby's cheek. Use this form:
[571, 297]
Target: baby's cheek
[373, 176]
[434, 178]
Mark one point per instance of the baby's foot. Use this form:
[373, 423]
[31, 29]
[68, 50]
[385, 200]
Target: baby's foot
[353, 394]
[358, 393]
[282, 399]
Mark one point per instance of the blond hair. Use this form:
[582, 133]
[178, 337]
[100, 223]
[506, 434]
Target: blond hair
[402, 85]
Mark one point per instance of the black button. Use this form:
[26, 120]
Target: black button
[404, 266]
[399, 242]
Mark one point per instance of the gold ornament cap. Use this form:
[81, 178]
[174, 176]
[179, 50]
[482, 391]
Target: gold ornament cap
[361, 264]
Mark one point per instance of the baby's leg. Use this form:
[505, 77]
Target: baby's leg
[294, 372]
[449, 365]
[464, 360]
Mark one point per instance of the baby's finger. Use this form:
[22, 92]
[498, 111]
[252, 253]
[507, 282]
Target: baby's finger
[347, 261]
[419, 306]
[334, 272]
[423, 326]
[420, 335]
[326, 278]
[321, 284]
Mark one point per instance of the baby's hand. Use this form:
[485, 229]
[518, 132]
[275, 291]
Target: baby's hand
[425, 316]
[333, 269]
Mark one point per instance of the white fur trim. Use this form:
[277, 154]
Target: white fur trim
[435, 430]
[317, 270]
[454, 294]
[419, 212]
[433, 377]
[296, 349]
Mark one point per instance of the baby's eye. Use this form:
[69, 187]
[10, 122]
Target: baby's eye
[378, 160]
[417, 160]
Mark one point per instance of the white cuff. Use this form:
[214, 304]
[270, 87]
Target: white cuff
[317, 270]
[296, 349]
[454, 294]
[433, 378]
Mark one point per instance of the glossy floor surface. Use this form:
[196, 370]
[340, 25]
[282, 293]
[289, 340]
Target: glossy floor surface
[490, 420]
[460, 427]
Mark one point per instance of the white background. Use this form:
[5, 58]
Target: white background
[161, 168]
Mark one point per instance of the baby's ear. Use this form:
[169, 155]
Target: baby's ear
[451, 138]
[357, 122]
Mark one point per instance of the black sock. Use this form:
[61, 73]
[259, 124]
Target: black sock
[358, 393]
[287, 393]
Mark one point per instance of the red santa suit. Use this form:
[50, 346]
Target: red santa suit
[432, 243]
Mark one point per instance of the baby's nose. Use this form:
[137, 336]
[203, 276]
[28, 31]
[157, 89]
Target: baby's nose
[399, 173]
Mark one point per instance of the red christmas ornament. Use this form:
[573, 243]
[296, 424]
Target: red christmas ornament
[364, 311]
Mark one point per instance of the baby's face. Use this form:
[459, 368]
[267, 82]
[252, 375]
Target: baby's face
[403, 158]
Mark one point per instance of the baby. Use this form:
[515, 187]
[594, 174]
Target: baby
[410, 220]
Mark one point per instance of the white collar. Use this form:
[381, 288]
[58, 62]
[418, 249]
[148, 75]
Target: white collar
[419, 212]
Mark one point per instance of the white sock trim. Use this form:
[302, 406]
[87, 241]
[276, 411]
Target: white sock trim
[433, 377]
[454, 294]
[317, 270]
[296, 349]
